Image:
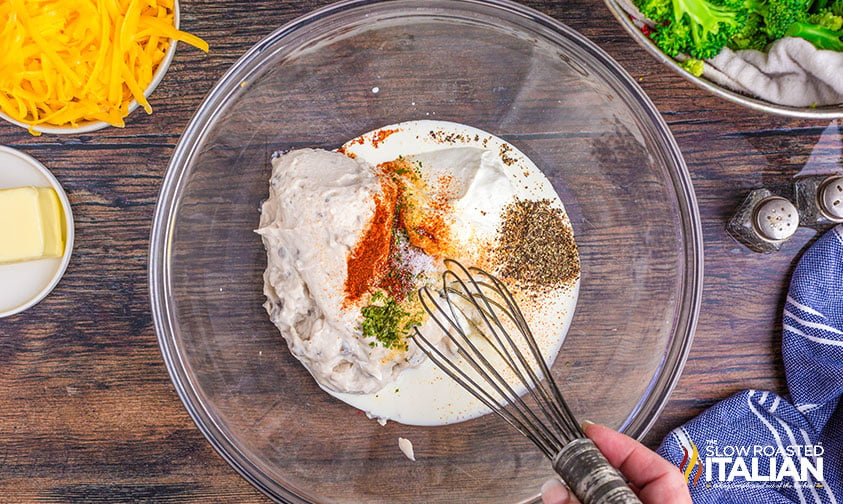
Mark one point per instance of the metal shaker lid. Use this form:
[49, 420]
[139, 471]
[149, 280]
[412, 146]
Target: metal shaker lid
[775, 218]
[830, 198]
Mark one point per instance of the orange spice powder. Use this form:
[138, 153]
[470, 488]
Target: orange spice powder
[431, 235]
[429, 228]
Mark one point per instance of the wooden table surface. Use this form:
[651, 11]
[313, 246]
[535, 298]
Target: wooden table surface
[87, 410]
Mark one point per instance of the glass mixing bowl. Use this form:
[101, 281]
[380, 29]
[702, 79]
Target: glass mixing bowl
[348, 69]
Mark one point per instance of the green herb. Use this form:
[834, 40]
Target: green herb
[387, 321]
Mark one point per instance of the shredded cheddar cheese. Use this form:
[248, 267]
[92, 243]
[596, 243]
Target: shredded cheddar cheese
[71, 62]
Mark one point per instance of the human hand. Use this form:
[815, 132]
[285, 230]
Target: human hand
[652, 478]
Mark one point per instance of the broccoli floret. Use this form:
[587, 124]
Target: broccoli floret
[694, 66]
[660, 11]
[672, 38]
[700, 28]
[752, 35]
[780, 14]
[820, 36]
[826, 19]
[697, 27]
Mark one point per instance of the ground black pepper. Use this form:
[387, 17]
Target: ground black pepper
[535, 246]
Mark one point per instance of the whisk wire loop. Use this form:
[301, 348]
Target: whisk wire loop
[550, 401]
[482, 300]
[545, 445]
[494, 327]
[485, 294]
[521, 418]
[476, 310]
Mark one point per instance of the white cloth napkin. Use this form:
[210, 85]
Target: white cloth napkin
[793, 72]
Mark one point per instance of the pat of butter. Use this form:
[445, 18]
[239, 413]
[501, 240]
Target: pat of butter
[31, 224]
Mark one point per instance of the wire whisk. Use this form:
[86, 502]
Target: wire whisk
[498, 361]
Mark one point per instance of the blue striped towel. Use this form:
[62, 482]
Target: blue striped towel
[759, 447]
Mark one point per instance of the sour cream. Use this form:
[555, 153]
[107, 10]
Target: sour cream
[319, 204]
[319, 207]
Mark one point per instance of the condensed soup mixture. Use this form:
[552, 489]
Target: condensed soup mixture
[352, 234]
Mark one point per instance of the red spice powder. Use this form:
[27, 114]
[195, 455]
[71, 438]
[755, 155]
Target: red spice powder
[378, 137]
[342, 150]
[381, 135]
[371, 254]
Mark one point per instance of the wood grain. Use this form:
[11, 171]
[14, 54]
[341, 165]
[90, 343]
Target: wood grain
[88, 410]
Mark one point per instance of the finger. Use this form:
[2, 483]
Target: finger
[657, 478]
[554, 492]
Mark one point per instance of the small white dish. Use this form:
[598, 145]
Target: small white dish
[91, 126]
[27, 283]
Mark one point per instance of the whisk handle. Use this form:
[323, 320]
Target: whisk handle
[590, 476]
